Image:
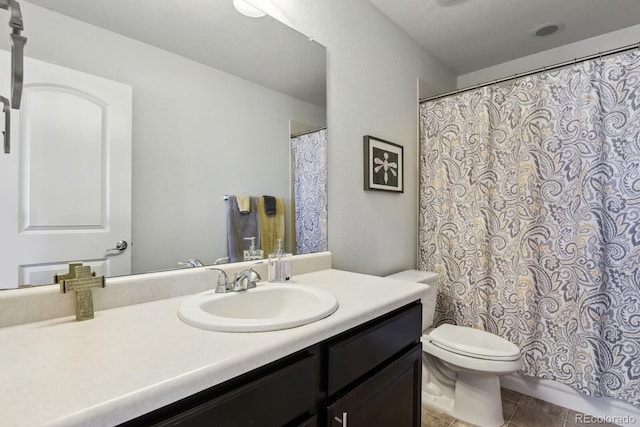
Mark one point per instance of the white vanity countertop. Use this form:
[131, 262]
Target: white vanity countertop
[131, 360]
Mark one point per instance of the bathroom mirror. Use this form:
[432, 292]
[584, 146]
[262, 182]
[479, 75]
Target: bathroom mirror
[213, 93]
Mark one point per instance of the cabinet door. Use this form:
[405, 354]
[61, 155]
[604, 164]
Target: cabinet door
[390, 398]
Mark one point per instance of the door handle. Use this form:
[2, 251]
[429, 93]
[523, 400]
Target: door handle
[121, 245]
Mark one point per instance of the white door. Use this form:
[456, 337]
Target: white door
[65, 187]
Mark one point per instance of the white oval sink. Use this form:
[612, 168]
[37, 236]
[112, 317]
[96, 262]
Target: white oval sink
[267, 307]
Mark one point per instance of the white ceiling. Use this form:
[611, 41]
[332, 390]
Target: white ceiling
[213, 33]
[466, 35]
[469, 35]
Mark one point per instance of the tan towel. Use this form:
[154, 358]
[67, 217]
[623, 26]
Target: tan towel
[271, 226]
[244, 205]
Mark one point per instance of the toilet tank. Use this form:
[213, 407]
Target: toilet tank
[429, 301]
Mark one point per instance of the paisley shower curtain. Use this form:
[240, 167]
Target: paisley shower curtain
[530, 211]
[309, 153]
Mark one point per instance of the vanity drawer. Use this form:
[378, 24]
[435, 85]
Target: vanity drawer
[273, 400]
[356, 355]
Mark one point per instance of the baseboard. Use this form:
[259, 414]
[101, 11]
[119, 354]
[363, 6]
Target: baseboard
[604, 408]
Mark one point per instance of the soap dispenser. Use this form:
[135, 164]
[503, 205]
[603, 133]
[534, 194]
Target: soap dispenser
[279, 265]
[253, 254]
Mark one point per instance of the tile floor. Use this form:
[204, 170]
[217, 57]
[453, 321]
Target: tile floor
[519, 411]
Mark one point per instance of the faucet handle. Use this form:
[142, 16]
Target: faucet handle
[253, 275]
[223, 281]
[247, 279]
[252, 278]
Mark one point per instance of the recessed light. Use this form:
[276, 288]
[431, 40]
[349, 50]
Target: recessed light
[547, 29]
[248, 10]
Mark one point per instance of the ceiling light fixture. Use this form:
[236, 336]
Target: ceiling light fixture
[248, 10]
[446, 3]
[547, 29]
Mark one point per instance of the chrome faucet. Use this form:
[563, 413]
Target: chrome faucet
[242, 281]
[192, 262]
[223, 282]
[246, 279]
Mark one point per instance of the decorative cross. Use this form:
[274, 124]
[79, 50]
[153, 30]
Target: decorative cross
[81, 280]
[70, 275]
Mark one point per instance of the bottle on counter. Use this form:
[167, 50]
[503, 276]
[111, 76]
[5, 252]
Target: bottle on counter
[253, 254]
[279, 265]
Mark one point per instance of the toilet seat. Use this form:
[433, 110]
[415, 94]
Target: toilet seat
[475, 360]
[472, 342]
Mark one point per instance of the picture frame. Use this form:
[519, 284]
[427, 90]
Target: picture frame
[383, 165]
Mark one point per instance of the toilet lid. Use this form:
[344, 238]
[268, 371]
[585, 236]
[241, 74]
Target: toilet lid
[473, 342]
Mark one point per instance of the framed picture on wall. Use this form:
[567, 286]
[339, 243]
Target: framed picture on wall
[383, 165]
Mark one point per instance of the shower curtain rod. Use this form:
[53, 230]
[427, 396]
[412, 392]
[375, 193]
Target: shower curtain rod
[536, 71]
[308, 132]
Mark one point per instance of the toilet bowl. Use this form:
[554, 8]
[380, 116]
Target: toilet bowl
[461, 366]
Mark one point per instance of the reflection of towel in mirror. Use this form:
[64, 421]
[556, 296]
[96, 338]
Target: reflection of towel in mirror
[269, 205]
[244, 205]
[239, 226]
[271, 226]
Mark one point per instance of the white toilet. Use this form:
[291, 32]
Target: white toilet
[461, 366]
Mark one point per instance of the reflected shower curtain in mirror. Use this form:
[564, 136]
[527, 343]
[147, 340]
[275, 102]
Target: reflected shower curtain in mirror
[309, 153]
[530, 211]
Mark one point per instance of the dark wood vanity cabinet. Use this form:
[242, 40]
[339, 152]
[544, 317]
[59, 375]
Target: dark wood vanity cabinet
[367, 376]
[282, 393]
[387, 399]
[374, 374]
[261, 402]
